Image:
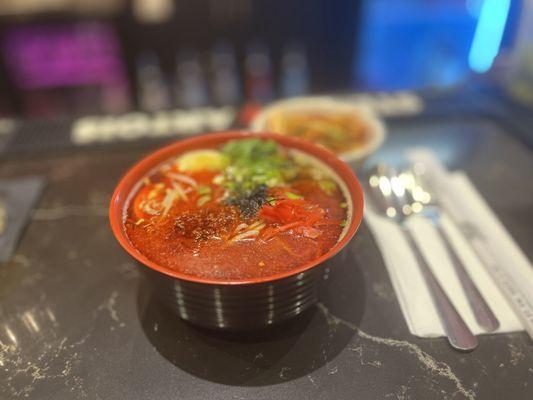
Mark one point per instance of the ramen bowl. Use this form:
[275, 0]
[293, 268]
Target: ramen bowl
[352, 131]
[244, 303]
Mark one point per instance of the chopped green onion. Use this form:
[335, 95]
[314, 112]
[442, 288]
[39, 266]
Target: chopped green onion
[255, 163]
[343, 205]
[255, 166]
[204, 189]
[293, 196]
[271, 201]
[202, 200]
[343, 223]
[327, 186]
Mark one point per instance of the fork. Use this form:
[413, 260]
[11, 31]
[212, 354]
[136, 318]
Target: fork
[422, 197]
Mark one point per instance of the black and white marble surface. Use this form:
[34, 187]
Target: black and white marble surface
[78, 321]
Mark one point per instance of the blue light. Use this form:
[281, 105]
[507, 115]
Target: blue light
[488, 35]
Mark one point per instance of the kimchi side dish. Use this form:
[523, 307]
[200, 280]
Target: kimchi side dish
[251, 208]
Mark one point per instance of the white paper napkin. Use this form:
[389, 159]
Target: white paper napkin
[407, 280]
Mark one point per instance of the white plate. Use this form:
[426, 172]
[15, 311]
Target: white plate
[375, 126]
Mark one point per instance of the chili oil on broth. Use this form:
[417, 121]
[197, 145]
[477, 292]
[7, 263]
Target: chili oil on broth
[204, 233]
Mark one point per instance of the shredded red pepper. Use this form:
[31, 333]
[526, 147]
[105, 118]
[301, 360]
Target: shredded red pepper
[290, 214]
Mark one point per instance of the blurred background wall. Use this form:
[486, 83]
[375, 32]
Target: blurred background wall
[71, 57]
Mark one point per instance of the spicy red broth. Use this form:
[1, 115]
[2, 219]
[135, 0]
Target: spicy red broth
[250, 208]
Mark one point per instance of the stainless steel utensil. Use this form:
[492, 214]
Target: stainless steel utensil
[388, 195]
[3, 216]
[515, 289]
[425, 203]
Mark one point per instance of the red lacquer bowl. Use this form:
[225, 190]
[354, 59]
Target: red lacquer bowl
[234, 304]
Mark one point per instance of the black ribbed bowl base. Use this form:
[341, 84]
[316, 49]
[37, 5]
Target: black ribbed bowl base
[238, 307]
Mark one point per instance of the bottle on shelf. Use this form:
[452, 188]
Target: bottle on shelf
[258, 74]
[294, 79]
[190, 83]
[225, 85]
[153, 93]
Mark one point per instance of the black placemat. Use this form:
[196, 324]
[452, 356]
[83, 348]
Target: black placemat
[17, 198]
